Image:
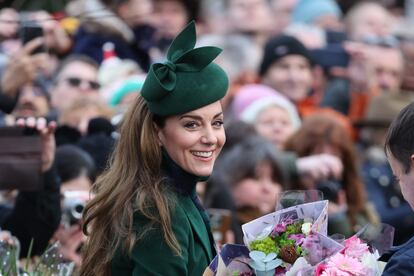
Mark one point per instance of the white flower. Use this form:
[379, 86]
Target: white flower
[306, 228]
[371, 264]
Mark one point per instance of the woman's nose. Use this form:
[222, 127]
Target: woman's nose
[209, 136]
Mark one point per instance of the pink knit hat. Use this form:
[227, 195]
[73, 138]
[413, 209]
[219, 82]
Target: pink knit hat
[251, 99]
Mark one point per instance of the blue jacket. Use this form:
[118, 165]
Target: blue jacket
[401, 260]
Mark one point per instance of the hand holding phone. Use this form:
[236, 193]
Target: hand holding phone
[48, 144]
[30, 31]
[26, 151]
[23, 67]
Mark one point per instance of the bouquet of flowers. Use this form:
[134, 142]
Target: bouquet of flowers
[285, 242]
[316, 213]
[360, 253]
[294, 240]
[355, 259]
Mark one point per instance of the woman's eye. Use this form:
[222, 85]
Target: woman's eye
[218, 123]
[190, 125]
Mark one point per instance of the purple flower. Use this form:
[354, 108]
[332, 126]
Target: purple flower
[279, 228]
[314, 248]
[297, 237]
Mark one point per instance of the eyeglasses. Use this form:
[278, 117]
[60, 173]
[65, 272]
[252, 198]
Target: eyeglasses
[77, 82]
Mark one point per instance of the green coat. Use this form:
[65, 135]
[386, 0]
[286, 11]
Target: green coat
[152, 256]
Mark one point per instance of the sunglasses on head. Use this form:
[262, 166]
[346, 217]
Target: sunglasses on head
[76, 82]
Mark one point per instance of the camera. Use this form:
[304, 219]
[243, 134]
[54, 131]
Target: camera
[20, 159]
[330, 189]
[72, 210]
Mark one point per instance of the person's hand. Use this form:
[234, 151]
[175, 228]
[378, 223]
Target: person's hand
[320, 166]
[70, 239]
[360, 70]
[23, 67]
[48, 138]
[55, 36]
[5, 236]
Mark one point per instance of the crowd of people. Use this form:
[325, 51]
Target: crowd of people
[313, 88]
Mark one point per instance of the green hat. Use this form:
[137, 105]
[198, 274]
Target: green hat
[129, 86]
[188, 79]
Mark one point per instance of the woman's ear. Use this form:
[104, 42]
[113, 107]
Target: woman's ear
[159, 134]
[412, 161]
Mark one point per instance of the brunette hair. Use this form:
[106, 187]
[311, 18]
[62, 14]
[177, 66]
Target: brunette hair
[132, 183]
[318, 130]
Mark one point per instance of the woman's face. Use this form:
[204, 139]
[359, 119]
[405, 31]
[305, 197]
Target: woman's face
[250, 16]
[194, 139]
[259, 192]
[291, 76]
[170, 17]
[275, 125]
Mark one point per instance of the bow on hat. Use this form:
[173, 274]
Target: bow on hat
[181, 57]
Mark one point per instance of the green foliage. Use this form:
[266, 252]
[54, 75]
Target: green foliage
[277, 242]
[266, 245]
[294, 228]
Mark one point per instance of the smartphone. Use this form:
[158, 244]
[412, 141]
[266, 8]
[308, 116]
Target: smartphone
[20, 159]
[29, 31]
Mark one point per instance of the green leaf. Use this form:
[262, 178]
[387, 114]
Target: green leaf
[29, 255]
[13, 265]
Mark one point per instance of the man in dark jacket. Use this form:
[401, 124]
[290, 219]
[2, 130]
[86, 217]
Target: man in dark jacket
[399, 147]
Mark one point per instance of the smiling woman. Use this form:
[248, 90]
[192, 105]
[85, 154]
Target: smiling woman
[195, 139]
[146, 218]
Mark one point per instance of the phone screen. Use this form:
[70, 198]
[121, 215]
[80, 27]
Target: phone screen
[30, 31]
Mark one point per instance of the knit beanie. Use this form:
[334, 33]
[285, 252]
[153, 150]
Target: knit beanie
[252, 99]
[309, 11]
[279, 47]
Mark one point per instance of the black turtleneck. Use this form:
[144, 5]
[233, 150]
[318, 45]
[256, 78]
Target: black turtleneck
[184, 183]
